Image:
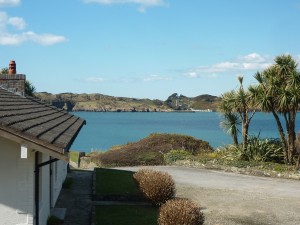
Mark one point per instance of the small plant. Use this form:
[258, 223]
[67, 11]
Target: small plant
[157, 186]
[258, 150]
[67, 183]
[175, 155]
[181, 212]
[53, 220]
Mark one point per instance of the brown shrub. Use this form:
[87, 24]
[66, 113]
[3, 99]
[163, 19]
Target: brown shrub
[157, 186]
[180, 212]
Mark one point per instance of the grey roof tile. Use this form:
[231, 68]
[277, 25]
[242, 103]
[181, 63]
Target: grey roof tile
[38, 121]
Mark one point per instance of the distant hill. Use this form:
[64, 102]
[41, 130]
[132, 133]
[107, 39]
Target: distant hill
[106, 103]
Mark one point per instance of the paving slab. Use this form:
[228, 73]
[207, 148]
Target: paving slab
[78, 199]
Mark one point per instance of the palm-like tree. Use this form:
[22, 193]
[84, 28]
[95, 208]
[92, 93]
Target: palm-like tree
[240, 103]
[29, 88]
[230, 124]
[265, 97]
[4, 71]
[279, 93]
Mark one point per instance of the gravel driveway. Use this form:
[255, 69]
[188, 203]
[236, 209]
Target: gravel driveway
[235, 199]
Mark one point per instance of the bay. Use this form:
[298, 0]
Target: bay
[106, 129]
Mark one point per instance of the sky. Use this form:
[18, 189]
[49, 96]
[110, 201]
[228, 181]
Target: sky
[146, 48]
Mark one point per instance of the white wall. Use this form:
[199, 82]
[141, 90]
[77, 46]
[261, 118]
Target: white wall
[59, 173]
[44, 195]
[17, 205]
[16, 184]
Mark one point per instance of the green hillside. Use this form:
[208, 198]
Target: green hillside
[103, 103]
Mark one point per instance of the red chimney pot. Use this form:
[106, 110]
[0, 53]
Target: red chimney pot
[12, 69]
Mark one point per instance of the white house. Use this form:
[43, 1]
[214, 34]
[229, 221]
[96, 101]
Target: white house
[34, 143]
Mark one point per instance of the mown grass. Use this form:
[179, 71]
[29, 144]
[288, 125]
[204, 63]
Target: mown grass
[115, 182]
[126, 215]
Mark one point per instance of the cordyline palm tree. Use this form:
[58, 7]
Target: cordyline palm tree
[4, 71]
[29, 88]
[240, 103]
[278, 92]
[230, 124]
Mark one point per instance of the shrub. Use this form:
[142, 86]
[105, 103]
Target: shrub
[258, 150]
[157, 186]
[180, 212]
[264, 150]
[175, 155]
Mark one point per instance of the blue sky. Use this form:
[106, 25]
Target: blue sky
[146, 48]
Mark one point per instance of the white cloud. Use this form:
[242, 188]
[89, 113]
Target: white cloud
[154, 77]
[8, 37]
[143, 4]
[43, 39]
[250, 62]
[4, 3]
[195, 74]
[17, 22]
[95, 79]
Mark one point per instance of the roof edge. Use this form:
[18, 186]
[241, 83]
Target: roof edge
[34, 144]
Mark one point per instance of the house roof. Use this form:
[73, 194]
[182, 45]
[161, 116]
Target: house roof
[35, 123]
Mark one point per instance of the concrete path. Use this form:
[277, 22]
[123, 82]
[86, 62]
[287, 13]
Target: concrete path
[235, 199]
[77, 200]
[229, 181]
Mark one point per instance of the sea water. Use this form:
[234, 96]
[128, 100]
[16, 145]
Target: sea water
[106, 129]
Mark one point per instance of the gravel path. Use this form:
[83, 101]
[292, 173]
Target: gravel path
[235, 199]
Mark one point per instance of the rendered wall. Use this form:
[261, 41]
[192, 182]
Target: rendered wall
[16, 184]
[59, 173]
[44, 197]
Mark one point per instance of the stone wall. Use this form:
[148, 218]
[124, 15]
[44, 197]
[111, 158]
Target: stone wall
[14, 83]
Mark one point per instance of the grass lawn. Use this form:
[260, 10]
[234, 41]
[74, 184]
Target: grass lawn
[115, 182]
[74, 156]
[126, 215]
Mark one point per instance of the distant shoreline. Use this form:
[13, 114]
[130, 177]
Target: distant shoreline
[162, 111]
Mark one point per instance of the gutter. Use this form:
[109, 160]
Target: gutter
[37, 184]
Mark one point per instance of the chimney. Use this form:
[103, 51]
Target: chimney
[13, 82]
[12, 69]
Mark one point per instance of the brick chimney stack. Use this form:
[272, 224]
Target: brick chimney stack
[12, 69]
[13, 82]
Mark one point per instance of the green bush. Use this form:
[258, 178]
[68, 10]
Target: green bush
[258, 150]
[157, 186]
[264, 150]
[180, 212]
[175, 155]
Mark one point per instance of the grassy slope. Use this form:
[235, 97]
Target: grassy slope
[150, 150]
